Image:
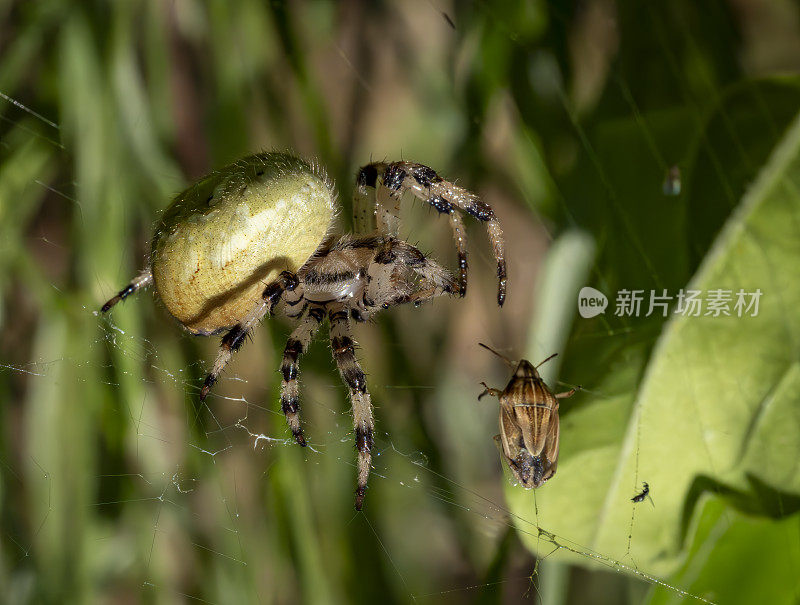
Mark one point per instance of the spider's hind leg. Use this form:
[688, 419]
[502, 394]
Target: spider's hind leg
[296, 345]
[234, 339]
[353, 376]
[144, 279]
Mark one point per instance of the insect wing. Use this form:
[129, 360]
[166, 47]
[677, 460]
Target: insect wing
[533, 409]
[518, 459]
[550, 452]
[510, 433]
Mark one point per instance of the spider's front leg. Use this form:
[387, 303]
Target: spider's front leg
[234, 339]
[353, 376]
[388, 182]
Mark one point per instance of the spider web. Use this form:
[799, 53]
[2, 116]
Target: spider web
[168, 498]
[198, 465]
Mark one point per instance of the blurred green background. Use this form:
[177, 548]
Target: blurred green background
[117, 486]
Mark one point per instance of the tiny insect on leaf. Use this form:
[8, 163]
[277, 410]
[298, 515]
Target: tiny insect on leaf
[643, 494]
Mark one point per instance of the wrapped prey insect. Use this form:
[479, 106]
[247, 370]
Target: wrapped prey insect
[529, 425]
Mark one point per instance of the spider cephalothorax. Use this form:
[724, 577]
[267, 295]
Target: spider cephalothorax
[254, 238]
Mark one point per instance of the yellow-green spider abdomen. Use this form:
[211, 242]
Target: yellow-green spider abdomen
[221, 240]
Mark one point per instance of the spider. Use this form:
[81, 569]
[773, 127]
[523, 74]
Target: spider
[256, 238]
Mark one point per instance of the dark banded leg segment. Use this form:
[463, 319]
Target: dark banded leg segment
[445, 197]
[353, 376]
[460, 237]
[297, 344]
[144, 279]
[234, 339]
[292, 303]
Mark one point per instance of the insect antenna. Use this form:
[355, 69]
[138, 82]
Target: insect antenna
[511, 363]
[541, 363]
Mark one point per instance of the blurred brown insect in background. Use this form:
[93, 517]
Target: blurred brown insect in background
[529, 426]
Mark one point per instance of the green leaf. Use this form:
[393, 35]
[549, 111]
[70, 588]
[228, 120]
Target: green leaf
[735, 547]
[716, 408]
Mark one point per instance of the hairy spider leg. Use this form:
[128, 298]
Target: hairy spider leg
[234, 339]
[144, 279]
[364, 204]
[353, 376]
[296, 345]
[292, 303]
[375, 208]
[460, 237]
[445, 197]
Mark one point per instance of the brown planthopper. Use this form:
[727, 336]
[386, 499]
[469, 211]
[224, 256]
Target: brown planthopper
[529, 426]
